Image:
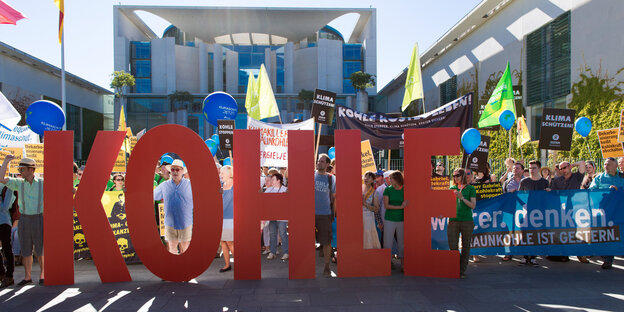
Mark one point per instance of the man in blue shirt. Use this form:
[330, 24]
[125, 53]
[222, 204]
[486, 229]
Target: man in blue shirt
[178, 199]
[324, 196]
[608, 179]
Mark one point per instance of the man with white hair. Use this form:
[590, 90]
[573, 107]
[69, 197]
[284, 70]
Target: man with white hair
[621, 166]
[178, 199]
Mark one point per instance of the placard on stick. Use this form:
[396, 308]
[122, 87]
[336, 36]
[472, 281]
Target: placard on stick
[368, 161]
[226, 134]
[120, 162]
[35, 151]
[323, 106]
[19, 154]
[478, 158]
[556, 129]
[609, 144]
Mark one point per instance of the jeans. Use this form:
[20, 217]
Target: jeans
[390, 227]
[273, 228]
[464, 228]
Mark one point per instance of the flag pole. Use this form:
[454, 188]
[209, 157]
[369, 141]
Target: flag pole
[389, 152]
[318, 140]
[63, 75]
[510, 144]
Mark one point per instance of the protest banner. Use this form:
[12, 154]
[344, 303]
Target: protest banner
[488, 190]
[323, 105]
[558, 223]
[18, 137]
[35, 151]
[226, 134]
[556, 129]
[442, 183]
[368, 161]
[120, 162]
[385, 132]
[478, 158]
[274, 140]
[114, 206]
[18, 152]
[621, 132]
[609, 144]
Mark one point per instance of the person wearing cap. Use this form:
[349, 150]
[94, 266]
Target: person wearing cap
[162, 174]
[30, 230]
[178, 199]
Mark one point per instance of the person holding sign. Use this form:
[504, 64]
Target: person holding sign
[30, 230]
[608, 179]
[462, 223]
[178, 199]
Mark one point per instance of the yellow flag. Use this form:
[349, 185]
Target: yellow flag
[413, 81]
[523, 132]
[61, 6]
[265, 105]
[122, 120]
[250, 96]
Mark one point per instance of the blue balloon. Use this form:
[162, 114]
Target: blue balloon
[45, 116]
[215, 137]
[212, 146]
[583, 126]
[219, 105]
[507, 119]
[331, 153]
[166, 159]
[227, 162]
[470, 140]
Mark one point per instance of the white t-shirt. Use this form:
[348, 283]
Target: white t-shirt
[379, 196]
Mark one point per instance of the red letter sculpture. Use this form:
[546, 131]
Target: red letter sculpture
[420, 145]
[354, 260]
[251, 205]
[207, 203]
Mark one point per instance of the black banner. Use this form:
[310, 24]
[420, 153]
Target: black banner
[323, 106]
[386, 132]
[478, 158]
[556, 129]
[226, 134]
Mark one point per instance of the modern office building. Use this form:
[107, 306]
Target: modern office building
[547, 43]
[209, 49]
[25, 79]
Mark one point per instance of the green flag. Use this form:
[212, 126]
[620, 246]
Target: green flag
[413, 81]
[502, 99]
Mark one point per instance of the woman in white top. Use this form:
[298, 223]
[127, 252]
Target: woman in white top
[277, 182]
[371, 239]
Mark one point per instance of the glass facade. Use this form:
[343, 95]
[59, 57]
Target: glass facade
[351, 63]
[250, 58]
[141, 66]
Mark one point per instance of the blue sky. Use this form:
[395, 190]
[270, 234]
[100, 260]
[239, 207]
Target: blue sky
[89, 29]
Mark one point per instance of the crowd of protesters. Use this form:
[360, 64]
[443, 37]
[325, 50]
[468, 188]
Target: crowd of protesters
[383, 205]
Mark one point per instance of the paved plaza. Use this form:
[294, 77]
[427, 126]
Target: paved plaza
[491, 285]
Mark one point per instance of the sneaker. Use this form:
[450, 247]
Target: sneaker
[41, 281]
[24, 282]
[266, 252]
[277, 252]
[533, 262]
[285, 256]
[271, 256]
[327, 271]
[607, 265]
[525, 262]
[6, 282]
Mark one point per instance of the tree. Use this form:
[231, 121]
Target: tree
[180, 100]
[121, 79]
[361, 80]
[305, 98]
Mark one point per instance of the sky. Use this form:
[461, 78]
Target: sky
[89, 29]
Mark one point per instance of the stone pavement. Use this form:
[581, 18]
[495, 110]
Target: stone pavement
[491, 285]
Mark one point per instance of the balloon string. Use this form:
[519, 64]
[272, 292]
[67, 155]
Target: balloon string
[588, 149]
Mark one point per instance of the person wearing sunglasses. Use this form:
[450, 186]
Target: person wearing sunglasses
[462, 223]
[119, 183]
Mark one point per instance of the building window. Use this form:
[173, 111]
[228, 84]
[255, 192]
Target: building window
[143, 85]
[548, 63]
[350, 67]
[352, 52]
[448, 90]
[347, 87]
[141, 66]
[210, 72]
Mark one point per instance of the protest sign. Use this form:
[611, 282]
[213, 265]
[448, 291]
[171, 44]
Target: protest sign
[621, 132]
[133, 142]
[385, 132]
[120, 163]
[368, 161]
[558, 223]
[556, 129]
[18, 137]
[442, 183]
[478, 158]
[323, 106]
[115, 208]
[35, 151]
[161, 218]
[274, 140]
[488, 190]
[226, 134]
[18, 152]
[609, 144]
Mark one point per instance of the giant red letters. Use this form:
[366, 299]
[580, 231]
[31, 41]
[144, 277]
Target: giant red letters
[420, 145]
[354, 259]
[251, 205]
[207, 203]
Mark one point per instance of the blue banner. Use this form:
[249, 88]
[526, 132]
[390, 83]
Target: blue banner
[555, 223]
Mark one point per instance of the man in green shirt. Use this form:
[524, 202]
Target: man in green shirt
[30, 229]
